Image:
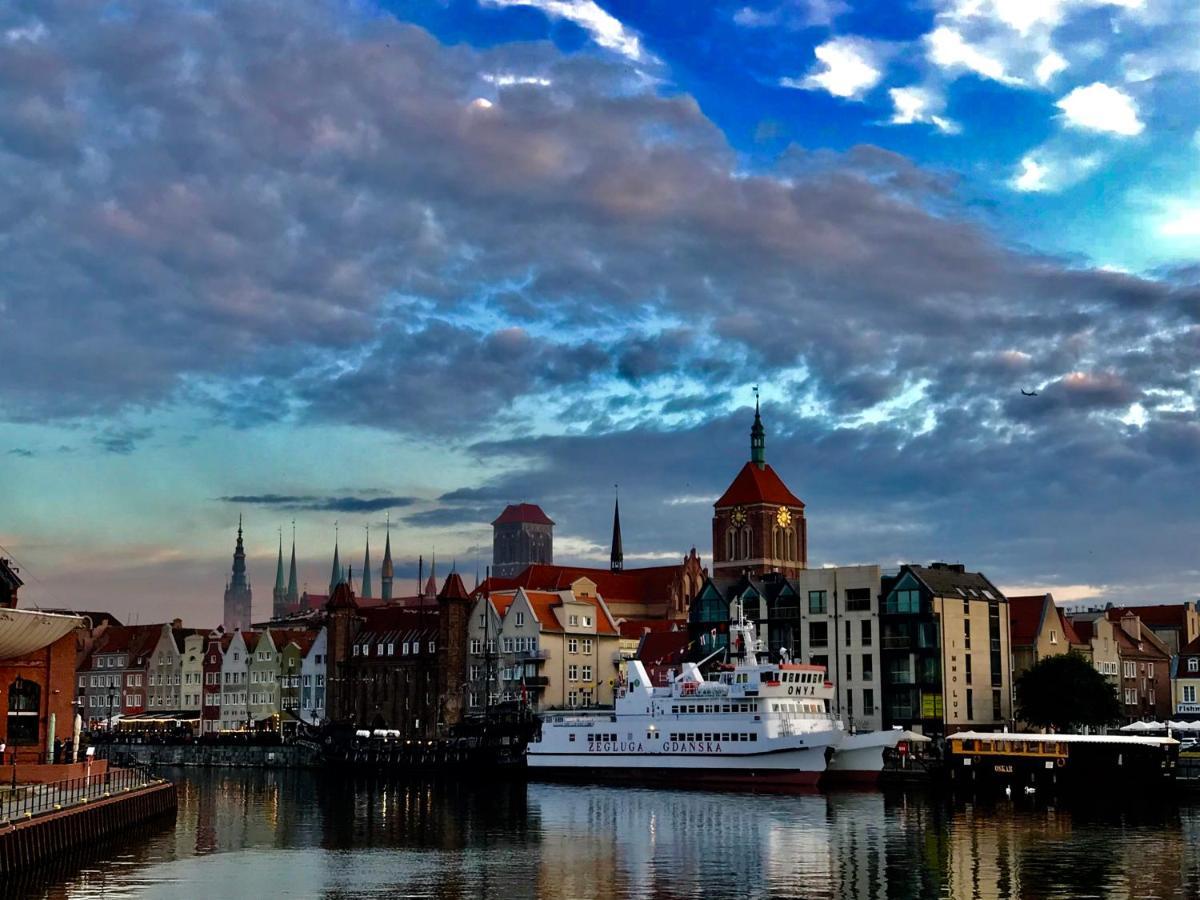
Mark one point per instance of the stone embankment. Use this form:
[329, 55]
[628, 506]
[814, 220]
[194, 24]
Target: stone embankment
[213, 755]
[39, 824]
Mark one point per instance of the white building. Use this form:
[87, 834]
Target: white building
[312, 680]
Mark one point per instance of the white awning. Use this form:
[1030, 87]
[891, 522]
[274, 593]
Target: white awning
[24, 631]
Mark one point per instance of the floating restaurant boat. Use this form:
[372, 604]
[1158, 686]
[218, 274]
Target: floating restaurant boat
[1060, 761]
[753, 724]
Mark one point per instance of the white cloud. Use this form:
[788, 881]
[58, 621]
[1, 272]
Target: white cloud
[1046, 170]
[605, 29]
[919, 104]
[792, 14]
[1099, 107]
[1183, 223]
[948, 49]
[849, 68]
[1051, 64]
[506, 79]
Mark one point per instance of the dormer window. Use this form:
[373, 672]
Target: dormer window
[1194, 664]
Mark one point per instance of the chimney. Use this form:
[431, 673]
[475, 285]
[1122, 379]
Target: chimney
[1132, 626]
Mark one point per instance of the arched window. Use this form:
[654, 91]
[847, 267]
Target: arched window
[24, 701]
[793, 547]
[776, 549]
[730, 544]
[745, 543]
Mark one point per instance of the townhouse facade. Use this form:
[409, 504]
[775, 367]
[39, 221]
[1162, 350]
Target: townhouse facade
[945, 650]
[1185, 684]
[1039, 629]
[312, 680]
[547, 649]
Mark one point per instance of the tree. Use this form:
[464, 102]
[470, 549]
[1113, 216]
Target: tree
[1065, 693]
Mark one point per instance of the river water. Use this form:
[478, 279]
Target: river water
[262, 835]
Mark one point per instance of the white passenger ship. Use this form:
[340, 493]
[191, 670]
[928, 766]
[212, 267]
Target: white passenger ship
[755, 724]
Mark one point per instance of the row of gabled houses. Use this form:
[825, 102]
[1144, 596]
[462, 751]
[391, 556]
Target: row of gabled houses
[168, 677]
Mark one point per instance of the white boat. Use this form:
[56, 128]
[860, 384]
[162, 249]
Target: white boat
[754, 724]
[859, 757]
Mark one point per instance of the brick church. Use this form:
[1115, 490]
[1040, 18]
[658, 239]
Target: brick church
[758, 523]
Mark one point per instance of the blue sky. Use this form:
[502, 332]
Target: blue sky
[330, 261]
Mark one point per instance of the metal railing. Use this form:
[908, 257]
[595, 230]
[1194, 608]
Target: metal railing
[28, 800]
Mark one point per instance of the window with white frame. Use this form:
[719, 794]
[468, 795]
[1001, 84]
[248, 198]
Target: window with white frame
[573, 645]
[586, 621]
[507, 644]
[587, 645]
[476, 645]
[587, 673]
[520, 619]
[1193, 664]
[432, 648]
[1189, 693]
[572, 620]
[572, 673]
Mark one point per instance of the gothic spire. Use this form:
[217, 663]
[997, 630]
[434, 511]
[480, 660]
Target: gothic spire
[293, 589]
[366, 576]
[386, 572]
[279, 587]
[758, 439]
[238, 581]
[616, 559]
[336, 576]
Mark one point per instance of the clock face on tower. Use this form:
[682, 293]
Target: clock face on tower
[738, 516]
[783, 517]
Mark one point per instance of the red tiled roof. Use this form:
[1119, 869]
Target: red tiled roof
[755, 485]
[635, 628]
[1192, 649]
[543, 604]
[1161, 615]
[1085, 628]
[1025, 618]
[644, 585]
[301, 637]
[1151, 648]
[523, 512]
[1068, 628]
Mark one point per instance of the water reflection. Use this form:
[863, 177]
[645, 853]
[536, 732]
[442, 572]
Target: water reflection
[245, 833]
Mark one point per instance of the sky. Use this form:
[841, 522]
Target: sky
[343, 263]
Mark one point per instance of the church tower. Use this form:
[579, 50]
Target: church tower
[386, 571]
[279, 593]
[293, 588]
[367, 589]
[616, 557]
[237, 589]
[758, 524]
[522, 536]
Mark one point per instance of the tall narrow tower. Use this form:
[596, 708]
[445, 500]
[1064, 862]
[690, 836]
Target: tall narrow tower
[279, 593]
[293, 588]
[616, 559]
[336, 575]
[522, 536]
[386, 573]
[366, 575]
[237, 589]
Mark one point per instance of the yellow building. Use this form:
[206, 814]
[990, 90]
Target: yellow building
[553, 649]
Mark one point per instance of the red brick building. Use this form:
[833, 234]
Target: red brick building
[37, 675]
[1144, 685]
[758, 523]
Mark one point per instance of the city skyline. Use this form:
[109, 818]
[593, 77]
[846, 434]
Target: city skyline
[435, 258]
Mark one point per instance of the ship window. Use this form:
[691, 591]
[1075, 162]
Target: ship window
[753, 736]
[571, 737]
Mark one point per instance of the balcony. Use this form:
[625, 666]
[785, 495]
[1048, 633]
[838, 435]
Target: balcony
[895, 642]
[532, 654]
[538, 681]
[901, 678]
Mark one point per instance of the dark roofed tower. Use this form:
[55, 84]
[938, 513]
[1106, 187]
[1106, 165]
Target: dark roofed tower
[279, 593]
[386, 571]
[616, 558]
[758, 524]
[522, 536]
[237, 590]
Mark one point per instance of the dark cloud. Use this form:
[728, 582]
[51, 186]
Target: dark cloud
[121, 440]
[21, 451]
[321, 504]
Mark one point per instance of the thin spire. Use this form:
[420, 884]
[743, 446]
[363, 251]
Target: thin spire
[293, 589]
[336, 576]
[366, 578]
[616, 559]
[758, 438]
[238, 581]
[280, 590]
[386, 572]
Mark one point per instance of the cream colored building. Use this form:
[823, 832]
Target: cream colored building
[553, 649]
[192, 672]
[1096, 633]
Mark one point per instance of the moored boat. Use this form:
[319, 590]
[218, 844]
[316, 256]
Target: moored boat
[759, 725]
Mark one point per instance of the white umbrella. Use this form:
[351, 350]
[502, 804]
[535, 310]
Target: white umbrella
[1136, 726]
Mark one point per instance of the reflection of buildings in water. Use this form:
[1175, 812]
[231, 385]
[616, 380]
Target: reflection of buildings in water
[656, 841]
[857, 847]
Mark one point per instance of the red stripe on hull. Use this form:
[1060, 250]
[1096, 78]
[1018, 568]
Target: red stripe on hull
[858, 777]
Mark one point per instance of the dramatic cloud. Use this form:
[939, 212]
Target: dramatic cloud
[604, 29]
[321, 504]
